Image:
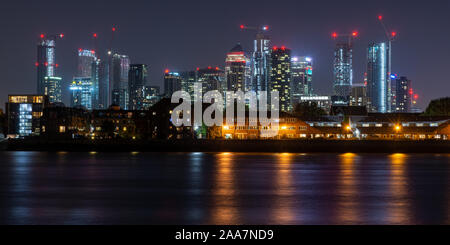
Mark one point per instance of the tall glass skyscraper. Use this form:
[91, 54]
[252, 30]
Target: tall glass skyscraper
[52, 88]
[301, 77]
[403, 95]
[343, 69]
[261, 63]
[237, 67]
[46, 62]
[378, 77]
[81, 92]
[172, 83]
[118, 74]
[280, 76]
[137, 80]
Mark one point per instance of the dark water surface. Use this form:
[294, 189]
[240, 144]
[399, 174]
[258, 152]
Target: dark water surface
[223, 188]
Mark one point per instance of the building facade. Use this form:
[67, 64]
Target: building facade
[280, 77]
[52, 88]
[172, 83]
[237, 69]
[261, 64]
[24, 113]
[118, 73]
[403, 95]
[137, 80]
[343, 69]
[81, 91]
[301, 72]
[378, 78]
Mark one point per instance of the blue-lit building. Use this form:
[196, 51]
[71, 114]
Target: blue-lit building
[260, 64]
[343, 69]
[81, 91]
[301, 78]
[24, 113]
[378, 78]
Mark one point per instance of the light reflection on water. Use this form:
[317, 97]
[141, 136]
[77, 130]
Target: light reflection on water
[224, 188]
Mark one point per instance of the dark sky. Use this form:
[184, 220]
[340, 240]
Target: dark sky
[185, 34]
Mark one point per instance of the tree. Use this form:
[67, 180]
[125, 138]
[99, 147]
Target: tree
[439, 107]
[308, 109]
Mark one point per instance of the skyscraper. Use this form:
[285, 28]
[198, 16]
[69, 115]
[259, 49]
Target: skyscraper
[212, 78]
[261, 63]
[47, 81]
[103, 84]
[81, 92]
[188, 78]
[151, 96]
[280, 76]
[301, 77]
[45, 61]
[172, 83]
[378, 77]
[358, 96]
[403, 95]
[52, 88]
[343, 69]
[137, 80]
[85, 59]
[118, 72]
[237, 69]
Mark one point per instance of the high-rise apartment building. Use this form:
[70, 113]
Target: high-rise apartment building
[301, 77]
[378, 78]
[280, 77]
[137, 80]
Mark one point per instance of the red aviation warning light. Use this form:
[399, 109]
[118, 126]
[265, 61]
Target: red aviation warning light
[355, 33]
[217, 68]
[334, 35]
[283, 48]
[380, 17]
[113, 29]
[198, 68]
[265, 28]
[393, 34]
[167, 71]
[95, 35]
[46, 64]
[275, 48]
[36, 64]
[42, 36]
[242, 26]
[416, 96]
[61, 35]
[56, 65]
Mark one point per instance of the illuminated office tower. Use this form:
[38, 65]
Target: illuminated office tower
[280, 76]
[24, 114]
[378, 78]
[188, 78]
[118, 72]
[301, 77]
[261, 63]
[151, 96]
[95, 79]
[103, 84]
[403, 95]
[46, 61]
[52, 88]
[172, 83]
[211, 78]
[343, 69]
[236, 69]
[137, 80]
[358, 96]
[81, 92]
[84, 65]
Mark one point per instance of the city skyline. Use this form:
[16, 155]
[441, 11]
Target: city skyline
[179, 59]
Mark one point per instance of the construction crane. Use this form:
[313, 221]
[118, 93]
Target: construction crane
[49, 41]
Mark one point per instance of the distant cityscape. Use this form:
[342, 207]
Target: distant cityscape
[113, 82]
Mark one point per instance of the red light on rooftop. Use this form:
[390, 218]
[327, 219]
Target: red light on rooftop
[242, 26]
[355, 33]
[42, 36]
[79, 50]
[394, 34]
[380, 17]
[217, 68]
[61, 35]
[46, 64]
[36, 64]
[92, 51]
[95, 35]
[198, 68]
[334, 35]
[283, 47]
[265, 28]
[416, 96]
[56, 65]
[275, 47]
[167, 71]
[113, 29]
[209, 67]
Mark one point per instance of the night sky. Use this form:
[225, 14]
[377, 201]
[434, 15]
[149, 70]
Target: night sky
[185, 34]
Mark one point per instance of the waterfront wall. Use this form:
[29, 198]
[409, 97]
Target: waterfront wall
[298, 146]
